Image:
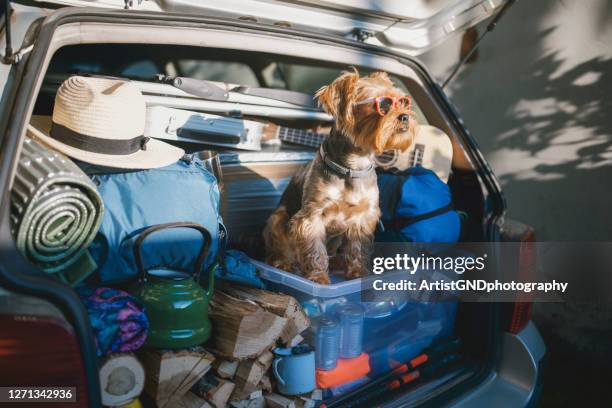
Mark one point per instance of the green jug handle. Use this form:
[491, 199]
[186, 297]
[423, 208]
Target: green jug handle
[206, 240]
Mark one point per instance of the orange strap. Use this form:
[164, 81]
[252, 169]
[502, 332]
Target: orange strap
[347, 370]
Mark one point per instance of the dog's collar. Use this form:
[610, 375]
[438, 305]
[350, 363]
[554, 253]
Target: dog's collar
[342, 170]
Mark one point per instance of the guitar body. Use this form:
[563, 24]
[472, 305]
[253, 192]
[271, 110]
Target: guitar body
[432, 149]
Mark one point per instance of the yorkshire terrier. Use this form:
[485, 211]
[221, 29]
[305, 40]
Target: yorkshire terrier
[328, 214]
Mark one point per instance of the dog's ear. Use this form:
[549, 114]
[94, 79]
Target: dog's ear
[381, 75]
[337, 98]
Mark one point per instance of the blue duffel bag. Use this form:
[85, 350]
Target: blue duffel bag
[136, 200]
[418, 205]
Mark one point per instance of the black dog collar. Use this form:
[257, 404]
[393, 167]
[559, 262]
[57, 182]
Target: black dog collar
[342, 170]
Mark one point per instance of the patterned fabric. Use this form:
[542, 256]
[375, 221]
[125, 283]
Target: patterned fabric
[119, 323]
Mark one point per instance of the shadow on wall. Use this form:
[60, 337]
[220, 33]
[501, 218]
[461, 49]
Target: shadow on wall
[544, 120]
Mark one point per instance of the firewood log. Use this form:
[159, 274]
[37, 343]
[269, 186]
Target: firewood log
[190, 400]
[242, 329]
[281, 305]
[226, 368]
[252, 371]
[266, 384]
[170, 374]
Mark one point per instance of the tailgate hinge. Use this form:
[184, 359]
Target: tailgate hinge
[9, 57]
[361, 34]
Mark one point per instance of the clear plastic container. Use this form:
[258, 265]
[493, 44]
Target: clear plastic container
[394, 331]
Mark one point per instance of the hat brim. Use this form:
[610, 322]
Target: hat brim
[158, 153]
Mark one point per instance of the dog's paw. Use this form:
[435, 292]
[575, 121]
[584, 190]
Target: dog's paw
[283, 265]
[320, 278]
[355, 271]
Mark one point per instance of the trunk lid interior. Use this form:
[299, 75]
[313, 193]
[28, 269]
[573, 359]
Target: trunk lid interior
[411, 27]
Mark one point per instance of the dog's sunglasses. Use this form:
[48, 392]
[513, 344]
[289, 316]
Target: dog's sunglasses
[385, 103]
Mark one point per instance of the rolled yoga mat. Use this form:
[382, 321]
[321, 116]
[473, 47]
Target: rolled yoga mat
[55, 212]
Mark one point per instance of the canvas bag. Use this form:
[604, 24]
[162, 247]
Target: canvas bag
[136, 200]
[418, 204]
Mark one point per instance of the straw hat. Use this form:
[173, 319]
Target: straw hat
[102, 121]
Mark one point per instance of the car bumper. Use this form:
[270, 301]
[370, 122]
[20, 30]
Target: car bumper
[516, 382]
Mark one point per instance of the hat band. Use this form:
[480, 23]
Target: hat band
[96, 144]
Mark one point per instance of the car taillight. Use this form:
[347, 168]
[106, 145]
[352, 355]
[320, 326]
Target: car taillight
[520, 313]
[41, 351]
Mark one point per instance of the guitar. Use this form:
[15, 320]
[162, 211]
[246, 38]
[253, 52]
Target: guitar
[273, 133]
[431, 149]
[237, 133]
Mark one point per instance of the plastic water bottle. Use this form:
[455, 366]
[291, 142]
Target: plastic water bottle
[351, 329]
[327, 342]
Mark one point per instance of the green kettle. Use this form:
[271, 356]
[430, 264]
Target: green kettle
[174, 301]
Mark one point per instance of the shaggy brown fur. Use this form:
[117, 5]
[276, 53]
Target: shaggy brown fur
[323, 214]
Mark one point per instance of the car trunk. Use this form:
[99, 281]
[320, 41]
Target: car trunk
[253, 181]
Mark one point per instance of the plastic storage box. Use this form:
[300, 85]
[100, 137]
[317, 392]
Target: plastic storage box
[395, 329]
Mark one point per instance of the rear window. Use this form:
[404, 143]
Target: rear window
[230, 66]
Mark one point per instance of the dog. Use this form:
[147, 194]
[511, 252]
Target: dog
[328, 214]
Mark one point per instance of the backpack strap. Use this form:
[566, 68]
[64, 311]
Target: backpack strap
[403, 222]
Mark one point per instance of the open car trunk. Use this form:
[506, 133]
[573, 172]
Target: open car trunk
[253, 180]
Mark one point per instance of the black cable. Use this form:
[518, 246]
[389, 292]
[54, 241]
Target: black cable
[7, 24]
[490, 27]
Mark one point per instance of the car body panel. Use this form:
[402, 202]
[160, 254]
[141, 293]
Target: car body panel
[410, 27]
[514, 383]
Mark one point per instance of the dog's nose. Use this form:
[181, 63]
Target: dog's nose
[404, 118]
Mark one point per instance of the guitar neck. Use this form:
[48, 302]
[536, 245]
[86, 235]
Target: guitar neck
[416, 157]
[302, 137]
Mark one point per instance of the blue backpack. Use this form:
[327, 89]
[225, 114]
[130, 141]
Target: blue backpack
[417, 204]
[183, 192]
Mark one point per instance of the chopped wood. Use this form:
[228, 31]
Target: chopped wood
[249, 372]
[279, 401]
[215, 390]
[170, 374]
[249, 375]
[265, 384]
[259, 402]
[255, 395]
[122, 379]
[242, 328]
[227, 368]
[191, 400]
[295, 341]
[252, 371]
[281, 305]
[221, 394]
